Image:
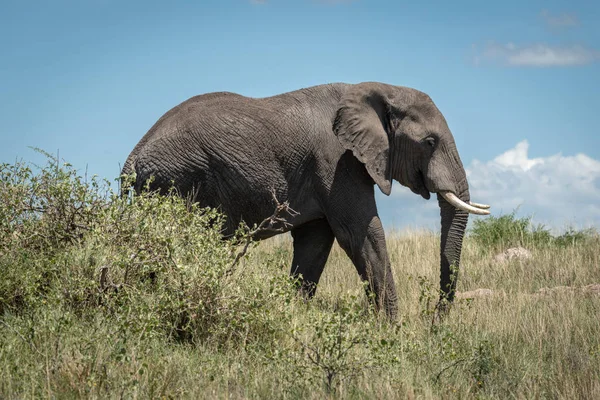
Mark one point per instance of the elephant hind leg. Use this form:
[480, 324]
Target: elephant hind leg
[312, 244]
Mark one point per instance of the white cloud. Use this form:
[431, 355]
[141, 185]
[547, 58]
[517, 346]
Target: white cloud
[518, 157]
[537, 55]
[558, 191]
[564, 20]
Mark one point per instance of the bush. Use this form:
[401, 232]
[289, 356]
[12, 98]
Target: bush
[155, 265]
[509, 231]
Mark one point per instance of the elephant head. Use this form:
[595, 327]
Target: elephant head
[398, 133]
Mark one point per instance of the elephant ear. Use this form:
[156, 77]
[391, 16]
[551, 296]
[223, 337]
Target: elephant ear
[360, 125]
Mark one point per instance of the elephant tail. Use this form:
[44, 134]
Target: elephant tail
[128, 176]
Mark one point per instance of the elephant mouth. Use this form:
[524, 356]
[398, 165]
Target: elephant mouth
[420, 187]
[471, 207]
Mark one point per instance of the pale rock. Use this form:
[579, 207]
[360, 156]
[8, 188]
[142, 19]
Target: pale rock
[471, 294]
[514, 253]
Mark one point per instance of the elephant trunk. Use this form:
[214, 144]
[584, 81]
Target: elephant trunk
[453, 223]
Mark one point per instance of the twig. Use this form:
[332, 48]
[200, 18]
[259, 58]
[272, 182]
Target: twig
[105, 281]
[316, 360]
[454, 364]
[267, 225]
[31, 345]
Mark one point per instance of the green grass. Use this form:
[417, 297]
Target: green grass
[508, 230]
[109, 297]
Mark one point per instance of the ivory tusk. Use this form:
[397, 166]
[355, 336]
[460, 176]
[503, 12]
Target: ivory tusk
[461, 205]
[482, 206]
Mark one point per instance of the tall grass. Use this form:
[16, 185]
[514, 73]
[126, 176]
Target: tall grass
[496, 232]
[104, 297]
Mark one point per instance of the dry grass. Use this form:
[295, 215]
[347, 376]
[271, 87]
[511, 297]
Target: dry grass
[514, 343]
[545, 343]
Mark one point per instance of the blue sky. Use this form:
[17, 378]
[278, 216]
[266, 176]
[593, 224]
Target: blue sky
[518, 82]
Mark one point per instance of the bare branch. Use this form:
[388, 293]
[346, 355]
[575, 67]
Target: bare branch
[105, 281]
[275, 223]
[30, 343]
[454, 364]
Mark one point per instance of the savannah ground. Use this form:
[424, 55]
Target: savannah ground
[104, 297]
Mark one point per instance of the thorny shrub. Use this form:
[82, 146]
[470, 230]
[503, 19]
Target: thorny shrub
[157, 264]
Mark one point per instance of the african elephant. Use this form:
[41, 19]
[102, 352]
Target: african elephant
[322, 149]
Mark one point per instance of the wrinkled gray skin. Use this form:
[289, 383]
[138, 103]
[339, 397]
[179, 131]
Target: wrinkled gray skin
[322, 149]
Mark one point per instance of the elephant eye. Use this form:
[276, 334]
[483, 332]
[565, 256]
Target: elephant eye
[430, 141]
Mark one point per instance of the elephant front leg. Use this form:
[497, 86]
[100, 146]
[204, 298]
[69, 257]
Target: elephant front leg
[365, 245]
[312, 244]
